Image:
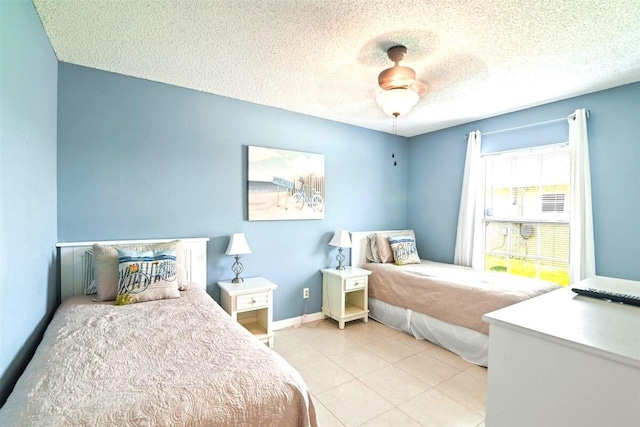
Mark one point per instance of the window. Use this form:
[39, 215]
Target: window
[526, 220]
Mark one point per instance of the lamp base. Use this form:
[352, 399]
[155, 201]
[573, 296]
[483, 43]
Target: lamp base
[237, 268]
[340, 258]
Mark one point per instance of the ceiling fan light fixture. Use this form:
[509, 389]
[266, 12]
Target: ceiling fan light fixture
[397, 102]
[400, 89]
[396, 76]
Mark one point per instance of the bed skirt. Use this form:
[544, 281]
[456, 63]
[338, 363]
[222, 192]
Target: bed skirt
[467, 343]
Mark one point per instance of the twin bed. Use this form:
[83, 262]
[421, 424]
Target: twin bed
[184, 361]
[439, 302]
[179, 361]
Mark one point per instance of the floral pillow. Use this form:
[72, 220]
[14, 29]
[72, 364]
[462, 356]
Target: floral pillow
[404, 250]
[146, 276]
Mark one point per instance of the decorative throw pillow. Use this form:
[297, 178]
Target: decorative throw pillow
[385, 254]
[105, 266]
[146, 276]
[404, 250]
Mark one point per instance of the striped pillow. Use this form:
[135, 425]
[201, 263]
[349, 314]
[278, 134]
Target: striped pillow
[146, 276]
[89, 285]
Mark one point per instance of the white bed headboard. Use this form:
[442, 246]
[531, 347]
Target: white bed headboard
[73, 258]
[359, 246]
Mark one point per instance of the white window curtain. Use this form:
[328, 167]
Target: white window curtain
[582, 249]
[468, 250]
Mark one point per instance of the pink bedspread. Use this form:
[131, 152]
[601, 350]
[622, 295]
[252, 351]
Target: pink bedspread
[174, 362]
[453, 294]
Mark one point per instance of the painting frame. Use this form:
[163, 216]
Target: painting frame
[284, 184]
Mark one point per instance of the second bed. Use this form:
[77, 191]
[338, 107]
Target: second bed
[440, 302]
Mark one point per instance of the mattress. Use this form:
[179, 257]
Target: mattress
[450, 293]
[181, 361]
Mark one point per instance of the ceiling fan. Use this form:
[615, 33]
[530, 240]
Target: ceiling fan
[400, 88]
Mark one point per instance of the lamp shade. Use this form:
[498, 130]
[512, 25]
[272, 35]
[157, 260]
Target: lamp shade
[396, 102]
[238, 245]
[341, 239]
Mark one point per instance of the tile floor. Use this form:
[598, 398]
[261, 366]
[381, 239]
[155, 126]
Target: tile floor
[371, 375]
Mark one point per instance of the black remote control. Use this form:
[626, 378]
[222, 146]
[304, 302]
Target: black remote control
[612, 296]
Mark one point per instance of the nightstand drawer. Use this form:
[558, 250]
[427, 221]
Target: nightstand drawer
[251, 301]
[355, 283]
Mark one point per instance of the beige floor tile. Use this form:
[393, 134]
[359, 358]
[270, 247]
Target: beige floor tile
[301, 355]
[394, 384]
[286, 340]
[359, 361]
[478, 372]
[426, 368]
[467, 390]
[394, 417]
[284, 332]
[448, 357]
[428, 384]
[325, 418]
[323, 375]
[361, 334]
[312, 330]
[391, 349]
[382, 328]
[434, 409]
[410, 340]
[354, 403]
[332, 343]
[321, 324]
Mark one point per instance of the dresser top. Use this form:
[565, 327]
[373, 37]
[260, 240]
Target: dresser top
[608, 329]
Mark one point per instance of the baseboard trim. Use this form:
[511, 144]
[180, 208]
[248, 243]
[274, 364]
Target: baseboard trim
[295, 321]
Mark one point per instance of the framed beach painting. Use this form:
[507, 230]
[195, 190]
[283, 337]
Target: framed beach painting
[284, 184]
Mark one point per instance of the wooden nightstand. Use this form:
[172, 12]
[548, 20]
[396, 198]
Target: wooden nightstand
[250, 303]
[344, 294]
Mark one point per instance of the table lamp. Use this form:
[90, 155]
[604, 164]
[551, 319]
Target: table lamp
[237, 246]
[340, 239]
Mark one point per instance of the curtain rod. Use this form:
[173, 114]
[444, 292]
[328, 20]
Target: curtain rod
[572, 115]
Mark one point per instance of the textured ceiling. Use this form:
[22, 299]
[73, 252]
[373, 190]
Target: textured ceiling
[322, 57]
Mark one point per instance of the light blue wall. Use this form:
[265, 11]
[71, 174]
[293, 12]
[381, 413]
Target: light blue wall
[139, 159]
[28, 88]
[436, 164]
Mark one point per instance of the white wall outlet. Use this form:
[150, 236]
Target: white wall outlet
[505, 231]
[305, 293]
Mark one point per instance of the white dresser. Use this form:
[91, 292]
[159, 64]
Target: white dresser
[565, 360]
